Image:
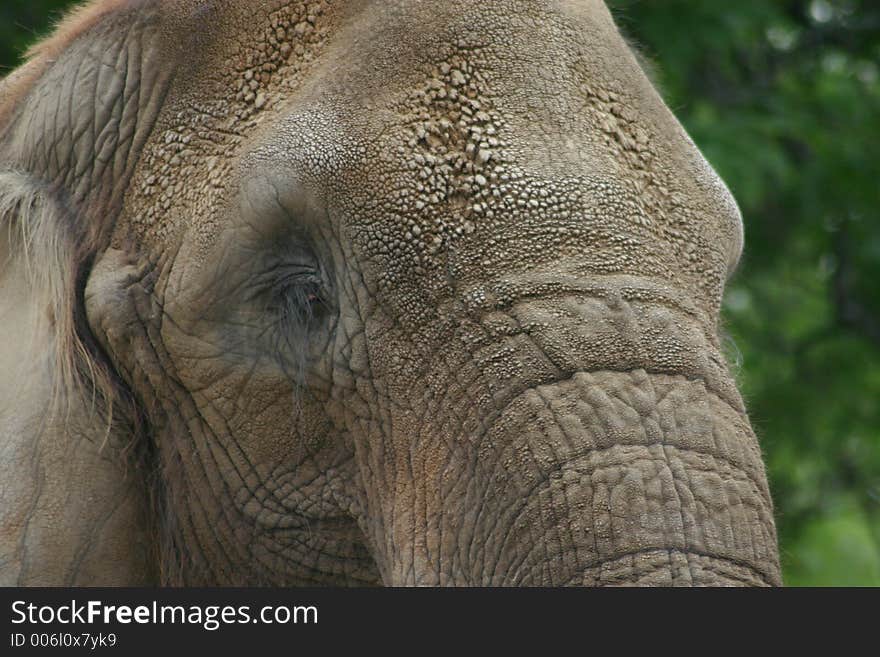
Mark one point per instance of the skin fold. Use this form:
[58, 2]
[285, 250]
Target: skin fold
[356, 292]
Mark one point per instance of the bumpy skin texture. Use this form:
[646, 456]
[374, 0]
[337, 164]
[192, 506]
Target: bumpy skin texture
[405, 293]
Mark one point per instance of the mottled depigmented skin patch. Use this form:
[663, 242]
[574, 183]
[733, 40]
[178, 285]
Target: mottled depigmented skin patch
[511, 373]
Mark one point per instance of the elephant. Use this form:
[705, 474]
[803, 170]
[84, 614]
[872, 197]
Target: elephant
[364, 292]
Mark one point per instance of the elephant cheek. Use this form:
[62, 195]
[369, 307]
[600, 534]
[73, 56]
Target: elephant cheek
[122, 313]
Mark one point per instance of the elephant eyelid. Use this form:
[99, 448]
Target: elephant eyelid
[295, 275]
[276, 279]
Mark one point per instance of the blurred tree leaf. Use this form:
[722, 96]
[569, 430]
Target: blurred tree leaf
[21, 23]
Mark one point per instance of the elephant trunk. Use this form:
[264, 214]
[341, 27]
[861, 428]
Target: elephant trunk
[623, 478]
[607, 456]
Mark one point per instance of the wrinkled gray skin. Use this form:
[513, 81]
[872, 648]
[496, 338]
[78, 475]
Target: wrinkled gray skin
[402, 292]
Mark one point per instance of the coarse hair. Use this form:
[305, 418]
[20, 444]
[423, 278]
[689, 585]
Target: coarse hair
[43, 239]
[52, 242]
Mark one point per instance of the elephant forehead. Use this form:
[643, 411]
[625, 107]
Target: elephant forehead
[242, 55]
[527, 125]
[248, 62]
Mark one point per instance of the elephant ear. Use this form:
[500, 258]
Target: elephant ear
[72, 500]
[73, 494]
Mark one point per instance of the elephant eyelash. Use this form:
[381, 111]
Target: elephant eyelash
[301, 302]
[297, 298]
[297, 303]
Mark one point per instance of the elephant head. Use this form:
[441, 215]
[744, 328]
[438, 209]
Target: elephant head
[362, 292]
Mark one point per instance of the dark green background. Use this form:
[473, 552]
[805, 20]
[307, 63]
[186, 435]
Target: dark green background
[783, 97]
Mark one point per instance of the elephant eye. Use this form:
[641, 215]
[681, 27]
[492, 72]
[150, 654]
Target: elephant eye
[298, 297]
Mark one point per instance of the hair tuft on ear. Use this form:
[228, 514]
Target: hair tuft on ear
[42, 238]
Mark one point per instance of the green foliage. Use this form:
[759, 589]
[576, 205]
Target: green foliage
[21, 23]
[783, 97]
